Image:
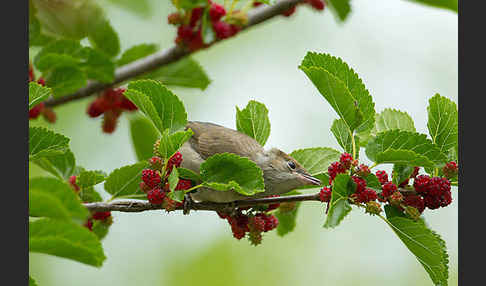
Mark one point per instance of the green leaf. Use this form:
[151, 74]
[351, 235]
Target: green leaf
[316, 160]
[189, 174]
[342, 88]
[145, 105]
[50, 197]
[65, 80]
[32, 282]
[390, 119]
[340, 7]
[286, 220]
[65, 239]
[343, 135]
[90, 178]
[125, 180]
[173, 179]
[104, 38]
[373, 182]
[443, 122]
[425, 244]
[339, 207]
[36, 37]
[189, 4]
[404, 147]
[43, 143]
[101, 228]
[227, 171]
[185, 72]
[61, 166]
[37, 93]
[401, 173]
[144, 135]
[141, 7]
[89, 195]
[136, 52]
[98, 66]
[169, 108]
[253, 121]
[208, 34]
[445, 4]
[170, 143]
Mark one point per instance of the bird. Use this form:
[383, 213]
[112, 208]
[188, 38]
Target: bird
[281, 172]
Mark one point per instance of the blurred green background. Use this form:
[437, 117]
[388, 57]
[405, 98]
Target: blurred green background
[404, 52]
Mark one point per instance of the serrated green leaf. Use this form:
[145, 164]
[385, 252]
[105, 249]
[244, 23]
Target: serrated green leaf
[343, 135]
[286, 220]
[44, 143]
[443, 122]
[65, 239]
[169, 108]
[143, 135]
[316, 160]
[145, 105]
[125, 180]
[50, 197]
[340, 7]
[66, 79]
[32, 282]
[170, 143]
[426, 245]
[401, 173]
[185, 72]
[136, 52]
[253, 121]
[390, 119]
[189, 4]
[339, 207]
[61, 166]
[189, 174]
[103, 37]
[37, 93]
[406, 157]
[343, 82]
[445, 4]
[227, 171]
[62, 52]
[90, 178]
[404, 147]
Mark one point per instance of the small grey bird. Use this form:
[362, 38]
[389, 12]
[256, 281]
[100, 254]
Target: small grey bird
[281, 172]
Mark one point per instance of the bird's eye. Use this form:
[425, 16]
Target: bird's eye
[291, 164]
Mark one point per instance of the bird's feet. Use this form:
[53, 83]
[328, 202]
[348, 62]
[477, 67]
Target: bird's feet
[187, 204]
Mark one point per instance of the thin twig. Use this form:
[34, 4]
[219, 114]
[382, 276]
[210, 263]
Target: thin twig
[165, 57]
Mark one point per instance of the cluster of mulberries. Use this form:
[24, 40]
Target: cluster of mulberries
[156, 186]
[429, 192]
[253, 224]
[40, 108]
[111, 103]
[190, 24]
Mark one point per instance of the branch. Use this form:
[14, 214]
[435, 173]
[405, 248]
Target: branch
[165, 57]
[140, 206]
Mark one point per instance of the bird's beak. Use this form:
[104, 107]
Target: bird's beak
[309, 180]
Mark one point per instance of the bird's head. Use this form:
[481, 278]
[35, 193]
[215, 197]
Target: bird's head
[282, 173]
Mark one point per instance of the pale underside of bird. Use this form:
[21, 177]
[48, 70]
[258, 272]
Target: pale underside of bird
[281, 172]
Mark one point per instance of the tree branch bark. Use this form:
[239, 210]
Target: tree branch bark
[140, 206]
[165, 57]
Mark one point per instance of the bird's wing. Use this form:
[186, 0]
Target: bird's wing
[210, 139]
